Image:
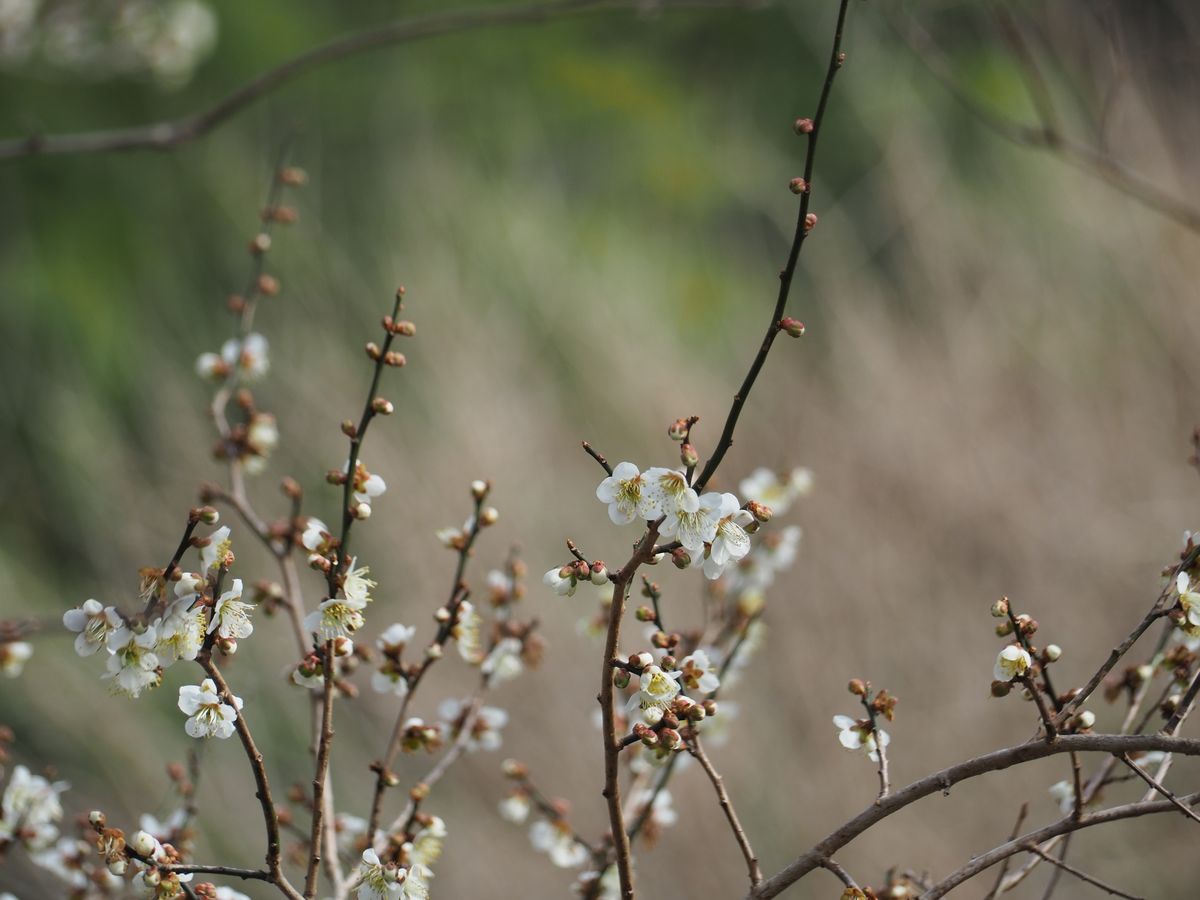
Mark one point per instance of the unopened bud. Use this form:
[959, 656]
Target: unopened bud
[343, 646]
[803, 126]
[1000, 608]
[710, 707]
[268, 285]
[489, 515]
[620, 679]
[209, 516]
[260, 244]
[678, 430]
[382, 407]
[349, 429]
[395, 359]
[361, 511]
[668, 662]
[117, 867]
[681, 558]
[644, 614]
[433, 651]
[1086, 719]
[798, 186]
[1001, 688]
[643, 659]
[405, 328]
[319, 562]
[291, 487]
[373, 350]
[1004, 629]
[513, 768]
[661, 640]
[794, 327]
[810, 222]
[96, 819]
[599, 573]
[688, 456]
[670, 738]
[479, 489]
[143, 844]
[1053, 652]
[857, 687]
[335, 476]
[293, 176]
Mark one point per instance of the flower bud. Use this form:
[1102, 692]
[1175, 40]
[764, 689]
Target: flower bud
[761, 512]
[361, 511]
[260, 244]
[1001, 688]
[803, 126]
[335, 476]
[643, 659]
[681, 558]
[688, 456]
[394, 359]
[660, 640]
[382, 407]
[696, 713]
[117, 867]
[667, 662]
[343, 646]
[96, 819]
[810, 222]
[489, 515]
[644, 614]
[433, 651]
[648, 737]
[1000, 608]
[1053, 653]
[678, 430]
[620, 679]
[479, 489]
[293, 176]
[798, 186]
[268, 285]
[513, 768]
[319, 562]
[209, 515]
[151, 878]
[670, 738]
[1145, 672]
[653, 714]
[349, 429]
[794, 327]
[1027, 624]
[143, 844]
[599, 573]
[857, 687]
[1086, 719]
[1004, 629]
[710, 707]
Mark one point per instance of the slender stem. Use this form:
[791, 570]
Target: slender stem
[228, 871]
[1081, 875]
[323, 750]
[263, 792]
[1184, 707]
[880, 750]
[1016, 830]
[840, 873]
[597, 456]
[972, 768]
[836, 58]
[171, 133]
[739, 833]
[1157, 786]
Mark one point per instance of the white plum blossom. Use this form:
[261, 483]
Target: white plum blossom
[248, 356]
[557, 839]
[133, 665]
[350, 830]
[698, 674]
[209, 715]
[667, 491]
[563, 585]
[694, 528]
[181, 630]
[357, 586]
[13, 656]
[468, 633]
[336, 618]
[515, 808]
[623, 492]
[662, 811]
[731, 542]
[395, 637]
[426, 848]
[657, 689]
[316, 537]
[766, 487]
[1189, 601]
[485, 730]
[31, 809]
[228, 893]
[377, 881]
[774, 553]
[455, 538]
[366, 486]
[230, 616]
[214, 551]
[856, 734]
[66, 860]
[1012, 662]
[504, 661]
[92, 622]
[1063, 793]
[163, 831]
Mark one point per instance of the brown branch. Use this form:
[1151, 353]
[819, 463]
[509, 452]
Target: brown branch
[171, 133]
[1184, 707]
[1016, 830]
[324, 747]
[840, 873]
[263, 792]
[1081, 875]
[228, 871]
[739, 833]
[836, 59]
[597, 456]
[1157, 786]
[972, 768]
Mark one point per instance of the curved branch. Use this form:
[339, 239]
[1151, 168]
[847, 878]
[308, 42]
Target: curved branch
[171, 133]
[980, 765]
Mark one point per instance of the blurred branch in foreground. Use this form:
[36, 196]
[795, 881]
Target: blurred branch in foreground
[170, 133]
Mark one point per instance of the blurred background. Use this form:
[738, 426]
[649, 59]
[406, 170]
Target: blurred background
[996, 392]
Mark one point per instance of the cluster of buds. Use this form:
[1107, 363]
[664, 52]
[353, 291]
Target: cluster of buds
[417, 735]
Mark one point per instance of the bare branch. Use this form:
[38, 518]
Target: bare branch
[739, 833]
[1081, 875]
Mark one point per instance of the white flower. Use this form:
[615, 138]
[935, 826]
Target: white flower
[214, 551]
[377, 881]
[163, 831]
[656, 689]
[556, 839]
[228, 893]
[666, 491]
[717, 729]
[623, 492]
[500, 586]
[210, 365]
[1063, 793]
[248, 355]
[426, 846]
[133, 666]
[1189, 600]
[468, 633]
[562, 585]
[65, 859]
[316, 537]
[485, 730]
[31, 809]
[357, 586]
[349, 829]
[455, 538]
[395, 637]
[1012, 662]
[515, 808]
[93, 623]
[764, 486]
[504, 662]
[181, 630]
[775, 553]
[856, 734]
[262, 434]
[231, 617]
[731, 543]
[209, 715]
[698, 674]
[13, 656]
[366, 486]
[694, 528]
[336, 618]
[662, 812]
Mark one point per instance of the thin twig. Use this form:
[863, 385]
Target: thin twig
[842, 875]
[739, 833]
[1158, 787]
[171, 133]
[1082, 876]
[597, 456]
[324, 746]
[1016, 830]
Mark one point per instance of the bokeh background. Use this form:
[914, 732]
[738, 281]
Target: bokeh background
[996, 392]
